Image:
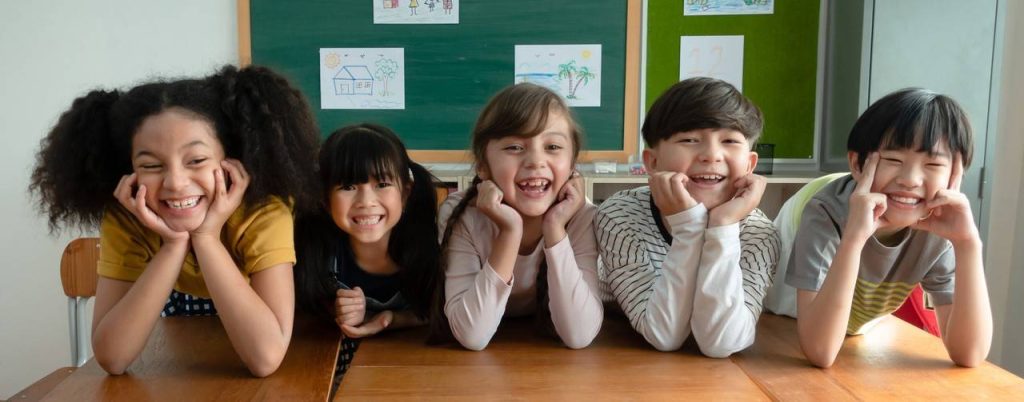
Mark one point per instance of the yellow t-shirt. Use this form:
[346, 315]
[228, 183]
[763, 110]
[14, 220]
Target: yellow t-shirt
[256, 240]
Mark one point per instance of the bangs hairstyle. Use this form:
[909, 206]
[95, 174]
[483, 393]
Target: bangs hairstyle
[355, 154]
[521, 110]
[700, 103]
[912, 118]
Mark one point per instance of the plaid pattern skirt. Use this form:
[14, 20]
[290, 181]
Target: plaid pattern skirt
[183, 305]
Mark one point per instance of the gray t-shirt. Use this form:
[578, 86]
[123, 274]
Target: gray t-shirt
[886, 275]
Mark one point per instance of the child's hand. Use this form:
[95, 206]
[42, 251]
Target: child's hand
[137, 206]
[488, 201]
[570, 200]
[866, 208]
[225, 200]
[349, 307]
[668, 189]
[376, 324]
[949, 212]
[749, 190]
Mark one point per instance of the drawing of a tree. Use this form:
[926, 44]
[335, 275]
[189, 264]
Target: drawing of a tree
[568, 70]
[582, 76]
[386, 69]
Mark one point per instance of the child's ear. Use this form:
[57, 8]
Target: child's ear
[650, 160]
[853, 157]
[753, 162]
[482, 172]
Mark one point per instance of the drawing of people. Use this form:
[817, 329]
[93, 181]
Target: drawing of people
[447, 6]
[412, 6]
[430, 4]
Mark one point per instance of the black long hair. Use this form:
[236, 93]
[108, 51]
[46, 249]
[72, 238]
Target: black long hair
[258, 117]
[353, 155]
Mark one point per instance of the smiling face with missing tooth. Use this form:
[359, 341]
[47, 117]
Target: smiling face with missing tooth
[711, 158]
[175, 154]
[530, 171]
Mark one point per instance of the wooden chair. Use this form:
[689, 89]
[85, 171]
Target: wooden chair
[78, 276]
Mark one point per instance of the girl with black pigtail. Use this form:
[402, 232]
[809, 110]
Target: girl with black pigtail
[193, 184]
[368, 259]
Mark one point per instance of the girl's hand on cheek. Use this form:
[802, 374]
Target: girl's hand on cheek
[225, 200]
[137, 206]
[570, 200]
[489, 201]
[949, 212]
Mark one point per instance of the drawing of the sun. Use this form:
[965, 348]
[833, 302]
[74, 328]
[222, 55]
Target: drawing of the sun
[586, 54]
[332, 60]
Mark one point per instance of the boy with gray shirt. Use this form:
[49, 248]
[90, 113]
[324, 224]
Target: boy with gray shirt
[866, 240]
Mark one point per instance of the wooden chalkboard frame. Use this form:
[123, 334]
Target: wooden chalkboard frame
[631, 97]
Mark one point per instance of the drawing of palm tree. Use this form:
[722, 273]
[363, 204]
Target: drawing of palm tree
[386, 70]
[583, 76]
[568, 70]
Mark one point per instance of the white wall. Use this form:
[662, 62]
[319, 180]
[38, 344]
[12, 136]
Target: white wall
[50, 52]
[1005, 247]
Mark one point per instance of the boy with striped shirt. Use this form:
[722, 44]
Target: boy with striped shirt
[691, 252]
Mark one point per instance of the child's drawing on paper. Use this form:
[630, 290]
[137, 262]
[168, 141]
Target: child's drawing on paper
[573, 71]
[727, 7]
[411, 12]
[362, 78]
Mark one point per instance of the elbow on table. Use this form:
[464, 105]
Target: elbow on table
[967, 359]
[578, 342]
[720, 351]
[665, 344]
[818, 357]
[110, 359]
[265, 364]
[472, 340]
[474, 344]
[579, 339]
[112, 365]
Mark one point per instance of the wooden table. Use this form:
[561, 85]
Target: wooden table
[894, 361]
[190, 358]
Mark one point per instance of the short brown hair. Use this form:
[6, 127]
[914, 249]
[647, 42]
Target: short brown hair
[699, 103]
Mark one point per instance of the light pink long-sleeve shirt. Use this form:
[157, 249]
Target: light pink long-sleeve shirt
[476, 298]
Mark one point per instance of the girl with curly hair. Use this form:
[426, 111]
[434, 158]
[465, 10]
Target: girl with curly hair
[205, 176]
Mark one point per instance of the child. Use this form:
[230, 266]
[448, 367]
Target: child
[899, 219]
[692, 251]
[362, 261]
[520, 241]
[204, 175]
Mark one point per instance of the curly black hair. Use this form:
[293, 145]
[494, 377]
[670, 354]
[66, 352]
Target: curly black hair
[259, 118]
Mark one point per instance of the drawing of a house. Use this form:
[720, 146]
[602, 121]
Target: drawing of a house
[353, 80]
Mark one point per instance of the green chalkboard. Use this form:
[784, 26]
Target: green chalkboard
[451, 69]
[780, 63]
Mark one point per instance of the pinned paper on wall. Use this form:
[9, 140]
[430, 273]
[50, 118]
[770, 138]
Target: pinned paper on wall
[362, 78]
[573, 71]
[727, 7]
[415, 11]
[718, 57]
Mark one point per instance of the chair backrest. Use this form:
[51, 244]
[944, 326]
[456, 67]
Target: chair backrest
[78, 267]
[442, 194]
[781, 298]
